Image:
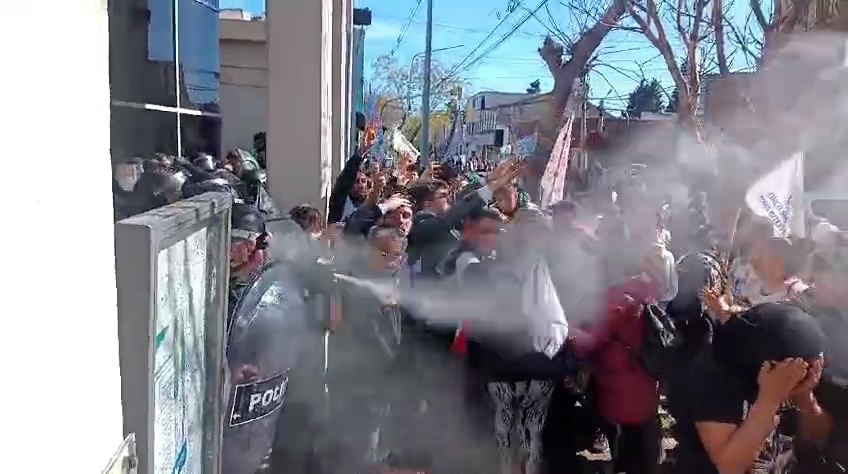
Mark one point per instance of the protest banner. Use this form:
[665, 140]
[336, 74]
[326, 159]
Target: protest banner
[403, 146]
[779, 196]
[553, 180]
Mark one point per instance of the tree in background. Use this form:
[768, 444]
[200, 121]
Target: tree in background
[695, 22]
[779, 19]
[439, 120]
[568, 52]
[646, 97]
[674, 98]
[399, 89]
[568, 58]
[535, 87]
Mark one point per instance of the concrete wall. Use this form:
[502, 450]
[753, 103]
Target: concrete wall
[342, 23]
[299, 101]
[61, 375]
[244, 82]
[290, 75]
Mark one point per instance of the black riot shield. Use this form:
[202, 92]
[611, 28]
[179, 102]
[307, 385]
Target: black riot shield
[267, 338]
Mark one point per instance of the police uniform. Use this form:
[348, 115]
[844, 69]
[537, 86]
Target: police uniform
[267, 340]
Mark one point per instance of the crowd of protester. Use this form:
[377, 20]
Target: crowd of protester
[471, 164]
[685, 351]
[477, 332]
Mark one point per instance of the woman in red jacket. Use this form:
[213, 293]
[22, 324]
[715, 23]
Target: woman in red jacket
[625, 396]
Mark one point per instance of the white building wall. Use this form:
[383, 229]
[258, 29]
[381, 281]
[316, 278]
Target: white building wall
[299, 101]
[244, 111]
[244, 83]
[340, 28]
[61, 376]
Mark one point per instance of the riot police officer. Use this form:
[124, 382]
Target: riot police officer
[125, 176]
[267, 340]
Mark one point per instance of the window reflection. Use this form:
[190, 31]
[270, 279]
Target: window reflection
[141, 51]
[200, 134]
[140, 132]
[198, 54]
[160, 30]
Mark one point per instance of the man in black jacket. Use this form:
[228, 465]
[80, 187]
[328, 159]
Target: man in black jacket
[435, 227]
[395, 211]
[393, 390]
[350, 188]
[479, 239]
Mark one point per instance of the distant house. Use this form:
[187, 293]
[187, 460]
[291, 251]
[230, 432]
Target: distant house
[492, 118]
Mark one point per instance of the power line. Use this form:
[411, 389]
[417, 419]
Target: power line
[482, 42]
[449, 26]
[456, 69]
[502, 39]
[405, 28]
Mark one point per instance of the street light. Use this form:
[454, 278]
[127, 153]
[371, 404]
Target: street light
[412, 65]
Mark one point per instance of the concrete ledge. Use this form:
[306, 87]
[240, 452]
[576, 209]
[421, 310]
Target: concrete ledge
[242, 30]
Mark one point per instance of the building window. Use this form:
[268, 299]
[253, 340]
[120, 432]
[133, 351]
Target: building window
[164, 76]
[199, 64]
[141, 52]
[200, 133]
[137, 131]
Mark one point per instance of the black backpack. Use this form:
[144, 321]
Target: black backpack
[661, 343]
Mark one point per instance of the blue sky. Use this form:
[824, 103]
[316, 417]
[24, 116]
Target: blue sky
[626, 56]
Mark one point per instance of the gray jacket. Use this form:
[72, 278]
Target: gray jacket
[393, 388]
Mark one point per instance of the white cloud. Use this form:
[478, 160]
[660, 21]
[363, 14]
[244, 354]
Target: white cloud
[383, 30]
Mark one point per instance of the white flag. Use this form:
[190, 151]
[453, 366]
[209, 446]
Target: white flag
[779, 196]
[553, 181]
[403, 146]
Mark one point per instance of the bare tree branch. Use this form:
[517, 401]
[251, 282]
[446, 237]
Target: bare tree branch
[745, 41]
[757, 10]
[657, 38]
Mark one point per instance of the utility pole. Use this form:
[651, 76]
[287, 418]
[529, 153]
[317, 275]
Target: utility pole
[425, 94]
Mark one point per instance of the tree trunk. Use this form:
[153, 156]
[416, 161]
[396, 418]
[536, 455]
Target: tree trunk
[564, 74]
[718, 28]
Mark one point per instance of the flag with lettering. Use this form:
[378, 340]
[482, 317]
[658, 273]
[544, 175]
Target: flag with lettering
[779, 196]
[553, 180]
